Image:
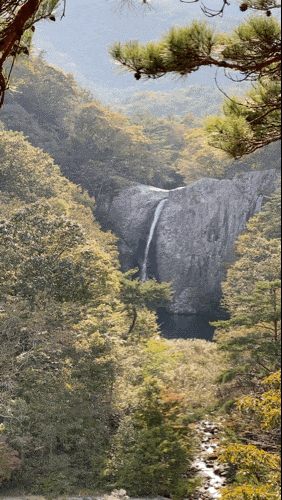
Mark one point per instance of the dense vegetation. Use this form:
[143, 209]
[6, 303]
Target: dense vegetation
[69, 388]
[251, 340]
[91, 397]
[88, 389]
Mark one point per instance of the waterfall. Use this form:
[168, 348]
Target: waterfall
[151, 234]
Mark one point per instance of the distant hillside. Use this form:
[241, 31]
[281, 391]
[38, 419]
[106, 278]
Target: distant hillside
[197, 99]
[160, 143]
[89, 141]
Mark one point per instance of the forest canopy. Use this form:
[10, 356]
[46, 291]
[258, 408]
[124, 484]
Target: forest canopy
[87, 384]
[92, 398]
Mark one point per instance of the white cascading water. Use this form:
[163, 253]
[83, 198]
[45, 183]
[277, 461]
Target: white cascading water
[150, 237]
[213, 473]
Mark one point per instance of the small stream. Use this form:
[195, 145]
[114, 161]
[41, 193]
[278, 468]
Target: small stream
[205, 464]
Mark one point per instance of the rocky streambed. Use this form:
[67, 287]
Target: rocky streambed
[212, 472]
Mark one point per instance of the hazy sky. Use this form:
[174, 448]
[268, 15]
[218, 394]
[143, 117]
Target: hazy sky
[79, 42]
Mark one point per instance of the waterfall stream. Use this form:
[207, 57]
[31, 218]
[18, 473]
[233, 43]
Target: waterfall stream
[150, 237]
[213, 473]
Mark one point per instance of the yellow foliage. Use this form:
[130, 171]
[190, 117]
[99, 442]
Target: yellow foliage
[258, 472]
[247, 492]
[268, 407]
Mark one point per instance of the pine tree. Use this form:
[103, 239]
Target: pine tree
[151, 452]
[252, 50]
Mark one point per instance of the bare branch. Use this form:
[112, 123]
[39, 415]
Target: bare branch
[213, 13]
[64, 9]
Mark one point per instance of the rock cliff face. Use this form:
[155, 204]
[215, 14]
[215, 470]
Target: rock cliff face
[194, 236]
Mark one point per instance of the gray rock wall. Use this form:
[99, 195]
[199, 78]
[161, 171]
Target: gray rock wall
[129, 216]
[195, 234]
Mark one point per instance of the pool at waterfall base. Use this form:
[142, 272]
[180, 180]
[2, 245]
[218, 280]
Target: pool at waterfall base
[184, 326]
